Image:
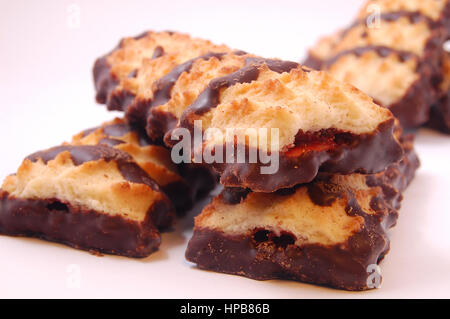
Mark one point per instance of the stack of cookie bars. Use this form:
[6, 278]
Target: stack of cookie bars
[342, 160]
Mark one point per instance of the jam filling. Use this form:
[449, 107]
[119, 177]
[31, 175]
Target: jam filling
[321, 141]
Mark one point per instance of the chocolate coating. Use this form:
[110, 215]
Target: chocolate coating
[440, 115]
[382, 51]
[368, 153]
[340, 266]
[74, 226]
[139, 113]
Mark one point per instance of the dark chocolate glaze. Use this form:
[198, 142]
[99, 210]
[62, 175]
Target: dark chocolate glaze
[77, 227]
[398, 176]
[413, 108]
[196, 180]
[120, 130]
[141, 35]
[158, 122]
[323, 194]
[382, 51]
[209, 98]
[159, 52]
[344, 266]
[234, 195]
[88, 153]
[163, 87]
[133, 74]
[278, 66]
[413, 16]
[110, 142]
[440, 115]
[313, 62]
[139, 112]
[368, 153]
[104, 81]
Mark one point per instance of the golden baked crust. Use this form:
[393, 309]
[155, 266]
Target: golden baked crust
[398, 74]
[131, 69]
[413, 31]
[400, 34]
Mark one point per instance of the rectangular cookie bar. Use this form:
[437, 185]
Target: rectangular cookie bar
[329, 232]
[91, 197]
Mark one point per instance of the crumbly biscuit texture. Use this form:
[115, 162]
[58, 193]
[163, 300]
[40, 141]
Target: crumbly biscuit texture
[388, 42]
[398, 76]
[183, 185]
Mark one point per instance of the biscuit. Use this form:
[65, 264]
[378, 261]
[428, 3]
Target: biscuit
[330, 232]
[154, 159]
[124, 77]
[89, 197]
[397, 80]
[376, 53]
[323, 125]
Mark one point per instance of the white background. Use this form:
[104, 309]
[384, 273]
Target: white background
[47, 95]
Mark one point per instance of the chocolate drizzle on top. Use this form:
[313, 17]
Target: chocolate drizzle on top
[382, 51]
[89, 153]
[209, 98]
[278, 66]
[163, 86]
[120, 130]
[159, 52]
[413, 16]
[110, 142]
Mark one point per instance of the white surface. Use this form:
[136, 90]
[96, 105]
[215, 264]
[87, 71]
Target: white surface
[47, 95]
